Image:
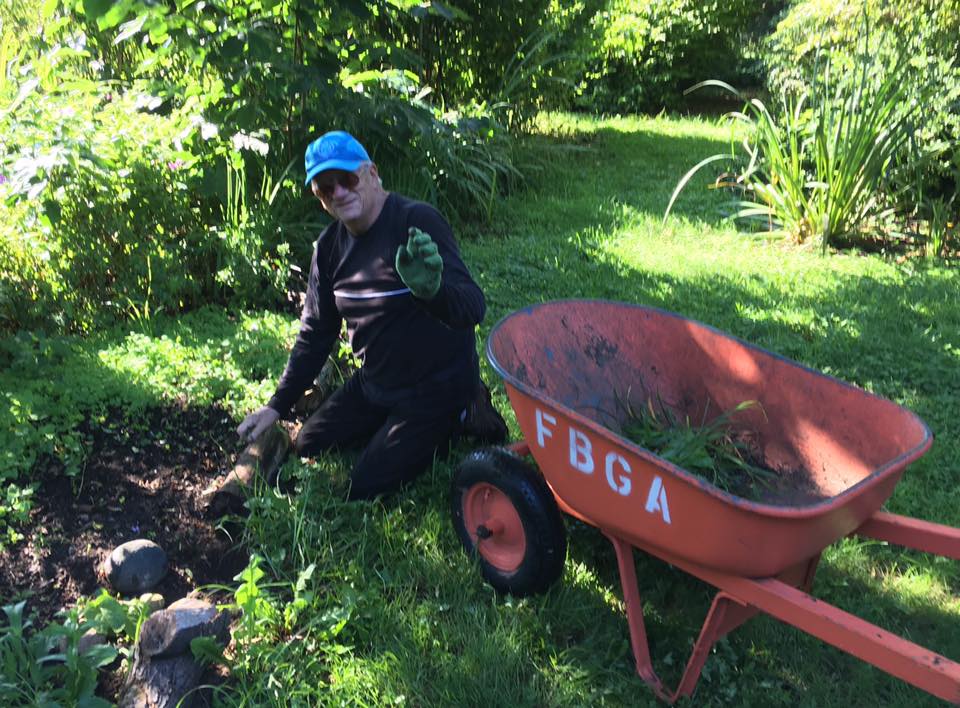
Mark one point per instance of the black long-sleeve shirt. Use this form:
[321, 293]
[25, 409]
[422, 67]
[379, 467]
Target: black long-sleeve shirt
[410, 349]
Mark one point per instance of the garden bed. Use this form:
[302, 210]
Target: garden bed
[135, 484]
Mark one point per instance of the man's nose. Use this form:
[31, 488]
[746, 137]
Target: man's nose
[339, 189]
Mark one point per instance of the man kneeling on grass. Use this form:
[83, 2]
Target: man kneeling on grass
[391, 268]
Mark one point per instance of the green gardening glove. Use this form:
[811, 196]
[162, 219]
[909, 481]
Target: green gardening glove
[419, 264]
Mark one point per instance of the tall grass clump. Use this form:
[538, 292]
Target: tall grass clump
[919, 39]
[821, 167]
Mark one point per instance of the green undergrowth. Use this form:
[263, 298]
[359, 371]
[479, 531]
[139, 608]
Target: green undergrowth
[374, 603]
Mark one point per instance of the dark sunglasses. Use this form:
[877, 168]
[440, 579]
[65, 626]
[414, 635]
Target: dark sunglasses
[325, 186]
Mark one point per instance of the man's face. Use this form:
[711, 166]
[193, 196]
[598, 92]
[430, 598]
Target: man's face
[348, 196]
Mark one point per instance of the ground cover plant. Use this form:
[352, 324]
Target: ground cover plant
[374, 603]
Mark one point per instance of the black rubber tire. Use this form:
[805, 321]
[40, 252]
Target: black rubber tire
[546, 538]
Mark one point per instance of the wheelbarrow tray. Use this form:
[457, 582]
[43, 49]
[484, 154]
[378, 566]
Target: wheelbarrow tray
[570, 366]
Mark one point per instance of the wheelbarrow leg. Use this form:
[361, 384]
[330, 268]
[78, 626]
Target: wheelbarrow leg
[726, 614]
[899, 657]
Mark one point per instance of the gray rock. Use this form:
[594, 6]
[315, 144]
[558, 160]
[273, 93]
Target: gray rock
[90, 639]
[136, 566]
[168, 632]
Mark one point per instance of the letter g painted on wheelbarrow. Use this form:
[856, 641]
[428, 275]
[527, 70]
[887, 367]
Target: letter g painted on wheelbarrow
[621, 485]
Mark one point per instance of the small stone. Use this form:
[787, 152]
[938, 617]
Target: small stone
[153, 601]
[136, 566]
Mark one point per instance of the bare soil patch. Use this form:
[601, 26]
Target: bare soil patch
[138, 482]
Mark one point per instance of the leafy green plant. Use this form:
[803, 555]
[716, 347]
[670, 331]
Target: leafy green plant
[15, 509]
[112, 617]
[821, 170]
[259, 614]
[46, 667]
[917, 37]
[708, 448]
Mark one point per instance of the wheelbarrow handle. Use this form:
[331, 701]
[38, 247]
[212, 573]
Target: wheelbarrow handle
[908, 532]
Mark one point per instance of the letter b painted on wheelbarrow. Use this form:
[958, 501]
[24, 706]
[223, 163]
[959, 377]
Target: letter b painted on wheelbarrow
[581, 452]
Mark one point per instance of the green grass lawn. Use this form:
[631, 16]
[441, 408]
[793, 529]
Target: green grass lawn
[375, 603]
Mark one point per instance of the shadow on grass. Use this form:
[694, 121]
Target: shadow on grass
[762, 655]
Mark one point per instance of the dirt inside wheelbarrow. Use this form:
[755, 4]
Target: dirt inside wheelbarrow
[786, 486]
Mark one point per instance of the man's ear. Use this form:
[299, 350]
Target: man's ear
[376, 173]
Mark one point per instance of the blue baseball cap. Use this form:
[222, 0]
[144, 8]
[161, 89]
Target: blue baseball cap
[335, 150]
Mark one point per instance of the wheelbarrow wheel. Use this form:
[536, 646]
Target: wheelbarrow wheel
[506, 517]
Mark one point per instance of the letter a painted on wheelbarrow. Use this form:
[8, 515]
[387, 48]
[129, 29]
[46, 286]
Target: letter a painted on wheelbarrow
[657, 499]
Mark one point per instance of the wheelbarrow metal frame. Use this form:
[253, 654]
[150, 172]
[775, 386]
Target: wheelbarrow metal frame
[787, 598]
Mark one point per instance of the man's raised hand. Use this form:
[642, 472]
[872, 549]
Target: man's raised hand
[419, 264]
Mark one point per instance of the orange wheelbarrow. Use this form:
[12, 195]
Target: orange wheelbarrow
[567, 366]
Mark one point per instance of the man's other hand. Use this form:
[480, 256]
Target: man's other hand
[419, 264]
[256, 423]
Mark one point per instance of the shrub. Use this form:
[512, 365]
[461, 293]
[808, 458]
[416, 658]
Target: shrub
[649, 51]
[917, 38]
[188, 189]
[93, 208]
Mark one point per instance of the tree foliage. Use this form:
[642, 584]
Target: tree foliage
[189, 187]
[647, 52]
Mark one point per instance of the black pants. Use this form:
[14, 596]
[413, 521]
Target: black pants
[403, 439]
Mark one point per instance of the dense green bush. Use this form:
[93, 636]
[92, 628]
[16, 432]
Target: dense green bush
[514, 57]
[917, 38]
[647, 52]
[189, 187]
[93, 210]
